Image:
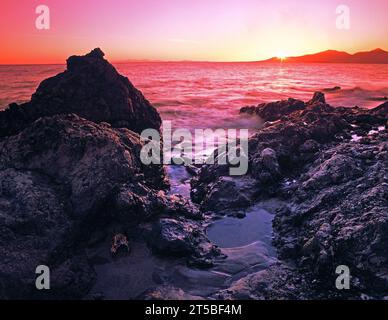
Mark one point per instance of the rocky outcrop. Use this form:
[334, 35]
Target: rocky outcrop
[330, 165]
[381, 110]
[275, 110]
[71, 176]
[91, 88]
[339, 217]
[318, 97]
[59, 178]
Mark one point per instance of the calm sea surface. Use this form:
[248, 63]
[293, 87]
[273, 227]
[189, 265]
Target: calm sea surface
[199, 95]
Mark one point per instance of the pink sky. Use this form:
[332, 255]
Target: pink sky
[213, 30]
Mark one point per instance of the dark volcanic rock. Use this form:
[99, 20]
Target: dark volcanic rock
[336, 188]
[278, 282]
[381, 109]
[34, 223]
[71, 176]
[64, 181]
[91, 88]
[339, 216]
[318, 97]
[182, 238]
[275, 110]
[137, 202]
[336, 88]
[225, 194]
[266, 167]
[59, 178]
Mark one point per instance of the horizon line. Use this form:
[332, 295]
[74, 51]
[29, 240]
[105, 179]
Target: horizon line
[190, 61]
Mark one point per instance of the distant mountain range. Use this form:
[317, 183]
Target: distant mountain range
[378, 56]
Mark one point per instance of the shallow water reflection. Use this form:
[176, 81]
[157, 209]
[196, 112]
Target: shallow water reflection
[230, 232]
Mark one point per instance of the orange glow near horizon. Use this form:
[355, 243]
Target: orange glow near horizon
[281, 56]
[217, 30]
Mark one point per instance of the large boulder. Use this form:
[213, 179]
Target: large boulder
[86, 157]
[266, 167]
[182, 238]
[59, 179]
[91, 88]
[226, 195]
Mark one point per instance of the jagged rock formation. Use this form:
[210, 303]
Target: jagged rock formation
[71, 176]
[60, 178]
[330, 165]
[91, 88]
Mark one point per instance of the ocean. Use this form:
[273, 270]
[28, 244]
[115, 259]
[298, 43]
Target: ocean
[209, 95]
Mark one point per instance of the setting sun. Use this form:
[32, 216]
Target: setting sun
[282, 56]
[180, 150]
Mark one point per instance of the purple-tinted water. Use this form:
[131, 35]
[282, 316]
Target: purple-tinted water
[209, 95]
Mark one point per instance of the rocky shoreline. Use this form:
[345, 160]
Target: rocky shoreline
[71, 176]
[72, 183]
[330, 166]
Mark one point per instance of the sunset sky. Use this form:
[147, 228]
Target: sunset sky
[212, 30]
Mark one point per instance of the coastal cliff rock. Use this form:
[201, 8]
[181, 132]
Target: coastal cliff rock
[330, 166]
[91, 88]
